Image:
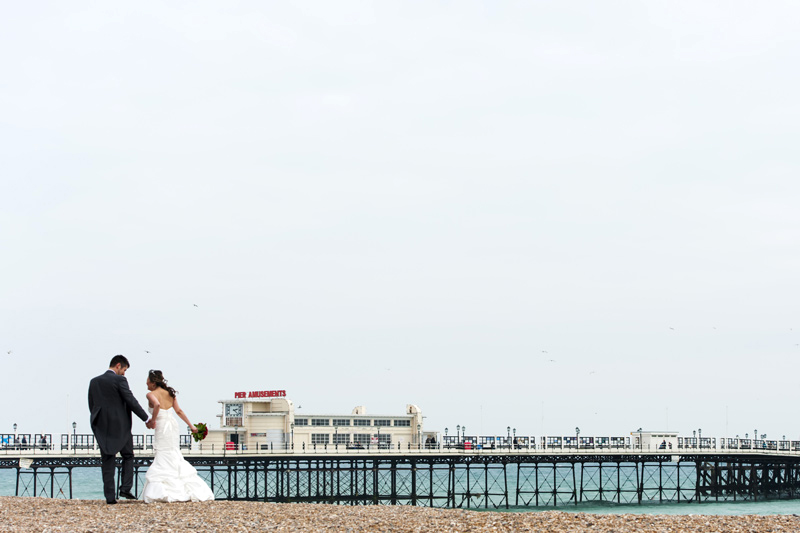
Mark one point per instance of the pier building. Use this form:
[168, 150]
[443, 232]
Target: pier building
[267, 420]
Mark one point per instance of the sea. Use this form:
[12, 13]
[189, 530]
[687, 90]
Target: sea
[87, 484]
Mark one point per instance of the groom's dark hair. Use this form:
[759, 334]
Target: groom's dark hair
[117, 359]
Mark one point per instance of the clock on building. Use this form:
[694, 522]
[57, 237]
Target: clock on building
[233, 410]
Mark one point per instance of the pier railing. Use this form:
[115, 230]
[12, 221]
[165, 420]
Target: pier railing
[85, 444]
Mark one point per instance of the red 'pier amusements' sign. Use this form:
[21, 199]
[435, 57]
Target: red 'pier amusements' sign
[260, 394]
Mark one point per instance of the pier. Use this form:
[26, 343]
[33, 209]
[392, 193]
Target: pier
[481, 472]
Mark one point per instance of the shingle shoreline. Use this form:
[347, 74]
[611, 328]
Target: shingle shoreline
[48, 515]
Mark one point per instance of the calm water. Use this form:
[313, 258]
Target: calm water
[87, 484]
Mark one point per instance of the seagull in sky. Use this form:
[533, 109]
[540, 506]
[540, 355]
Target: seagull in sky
[195, 305]
[9, 352]
[673, 329]
[545, 351]
[147, 351]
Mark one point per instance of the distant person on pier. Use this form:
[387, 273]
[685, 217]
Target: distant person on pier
[111, 403]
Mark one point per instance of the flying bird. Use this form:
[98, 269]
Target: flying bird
[8, 352]
[195, 305]
[545, 351]
[147, 351]
[673, 329]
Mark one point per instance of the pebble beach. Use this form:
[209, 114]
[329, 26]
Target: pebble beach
[48, 515]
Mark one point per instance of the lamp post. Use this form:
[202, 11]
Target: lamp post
[640, 437]
[700, 437]
[514, 433]
[458, 432]
[236, 440]
[292, 429]
[577, 437]
[336, 437]
[379, 437]
[419, 435]
[74, 439]
[508, 435]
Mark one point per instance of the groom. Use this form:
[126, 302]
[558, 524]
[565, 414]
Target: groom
[111, 403]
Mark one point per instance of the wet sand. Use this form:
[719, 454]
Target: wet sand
[48, 515]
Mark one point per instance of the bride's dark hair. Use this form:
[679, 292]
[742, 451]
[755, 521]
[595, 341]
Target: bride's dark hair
[157, 379]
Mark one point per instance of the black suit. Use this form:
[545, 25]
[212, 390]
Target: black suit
[111, 403]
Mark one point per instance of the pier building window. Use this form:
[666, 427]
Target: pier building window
[341, 421]
[362, 439]
[361, 422]
[341, 438]
[301, 421]
[383, 422]
[402, 423]
[320, 438]
[320, 422]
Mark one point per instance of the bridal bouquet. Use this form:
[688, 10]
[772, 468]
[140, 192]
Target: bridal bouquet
[202, 432]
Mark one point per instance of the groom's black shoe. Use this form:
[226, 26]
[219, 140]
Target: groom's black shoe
[127, 495]
[112, 502]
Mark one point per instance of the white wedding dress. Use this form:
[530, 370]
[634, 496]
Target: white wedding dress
[171, 478]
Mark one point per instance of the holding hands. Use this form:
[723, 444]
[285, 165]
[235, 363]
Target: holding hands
[151, 424]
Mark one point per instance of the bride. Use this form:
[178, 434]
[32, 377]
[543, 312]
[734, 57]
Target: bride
[170, 477]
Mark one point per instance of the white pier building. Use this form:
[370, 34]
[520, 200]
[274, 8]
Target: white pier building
[266, 420]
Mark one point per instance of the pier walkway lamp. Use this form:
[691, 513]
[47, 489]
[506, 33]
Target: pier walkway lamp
[292, 428]
[336, 437]
[419, 436]
[236, 439]
[577, 437]
[640, 437]
[508, 435]
[514, 433]
[458, 432]
[74, 438]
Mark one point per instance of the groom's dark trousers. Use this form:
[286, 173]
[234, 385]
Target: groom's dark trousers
[111, 403]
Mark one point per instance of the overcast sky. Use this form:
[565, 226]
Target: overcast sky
[538, 214]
